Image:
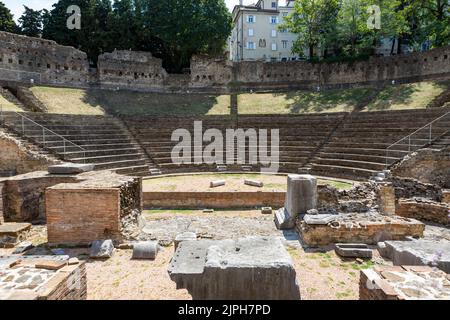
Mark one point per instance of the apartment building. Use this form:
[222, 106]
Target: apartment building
[256, 34]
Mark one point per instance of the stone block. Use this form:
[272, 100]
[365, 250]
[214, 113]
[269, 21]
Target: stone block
[419, 253]
[266, 210]
[145, 250]
[217, 183]
[70, 168]
[353, 250]
[22, 247]
[253, 268]
[50, 264]
[301, 194]
[283, 220]
[254, 183]
[319, 219]
[185, 236]
[101, 249]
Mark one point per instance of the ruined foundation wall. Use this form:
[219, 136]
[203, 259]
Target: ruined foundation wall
[427, 165]
[423, 209]
[18, 158]
[26, 59]
[412, 188]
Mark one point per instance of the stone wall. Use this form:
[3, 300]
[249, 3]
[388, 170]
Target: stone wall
[139, 70]
[423, 209]
[446, 196]
[23, 195]
[23, 59]
[26, 59]
[18, 157]
[104, 206]
[427, 165]
[2, 219]
[411, 188]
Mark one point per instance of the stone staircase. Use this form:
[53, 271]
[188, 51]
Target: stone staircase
[357, 150]
[99, 140]
[442, 142]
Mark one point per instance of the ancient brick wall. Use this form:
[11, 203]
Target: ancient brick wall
[18, 158]
[386, 199]
[25, 59]
[130, 69]
[104, 206]
[210, 71]
[411, 188]
[24, 195]
[446, 196]
[427, 165]
[423, 209]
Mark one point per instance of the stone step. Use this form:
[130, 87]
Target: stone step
[119, 164]
[357, 157]
[107, 158]
[375, 166]
[102, 152]
[342, 172]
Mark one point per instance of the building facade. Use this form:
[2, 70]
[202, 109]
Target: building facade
[256, 34]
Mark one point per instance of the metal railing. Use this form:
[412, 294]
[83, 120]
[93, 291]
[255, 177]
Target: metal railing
[41, 134]
[420, 138]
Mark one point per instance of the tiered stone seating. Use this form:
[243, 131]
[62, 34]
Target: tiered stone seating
[300, 136]
[98, 140]
[358, 148]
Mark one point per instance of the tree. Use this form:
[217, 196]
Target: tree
[186, 28]
[31, 22]
[313, 22]
[6, 19]
[429, 22]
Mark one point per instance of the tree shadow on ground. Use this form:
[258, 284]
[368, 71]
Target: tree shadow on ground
[157, 104]
[392, 95]
[325, 101]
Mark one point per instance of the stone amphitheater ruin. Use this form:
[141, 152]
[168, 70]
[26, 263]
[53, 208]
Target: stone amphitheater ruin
[371, 185]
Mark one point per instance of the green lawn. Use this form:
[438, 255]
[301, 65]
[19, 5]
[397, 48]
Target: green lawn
[98, 102]
[407, 96]
[298, 102]
[6, 105]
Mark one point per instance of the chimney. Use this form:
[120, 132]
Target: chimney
[241, 3]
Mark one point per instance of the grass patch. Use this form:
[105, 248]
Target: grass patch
[7, 105]
[298, 102]
[99, 102]
[365, 265]
[407, 96]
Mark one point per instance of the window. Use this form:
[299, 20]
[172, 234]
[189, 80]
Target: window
[285, 14]
[274, 47]
[284, 44]
[251, 46]
[283, 30]
[274, 33]
[251, 19]
[262, 43]
[250, 32]
[273, 19]
[274, 4]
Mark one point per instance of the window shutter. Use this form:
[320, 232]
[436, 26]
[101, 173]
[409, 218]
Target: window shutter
[247, 18]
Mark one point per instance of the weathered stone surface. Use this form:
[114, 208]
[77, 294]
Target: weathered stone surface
[217, 183]
[101, 249]
[386, 199]
[419, 253]
[266, 210]
[22, 247]
[446, 196]
[368, 228]
[145, 250]
[353, 250]
[185, 236]
[50, 264]
[12, 233]
[70, 168]
[245, 269]
[319, 219]
[283, 220]
[403, 283]
[424, 209]
[301, 194]
[254, 183]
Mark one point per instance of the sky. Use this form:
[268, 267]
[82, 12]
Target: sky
[16, 6]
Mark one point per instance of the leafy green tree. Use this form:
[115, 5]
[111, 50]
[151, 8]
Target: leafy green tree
[313, 22]
[31, 22]
[187, 27]
[429, 22]
[6, 19]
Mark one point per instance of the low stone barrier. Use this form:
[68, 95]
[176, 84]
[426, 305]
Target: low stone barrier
[424, 209]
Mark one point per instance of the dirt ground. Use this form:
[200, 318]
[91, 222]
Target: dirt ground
[234, 182]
